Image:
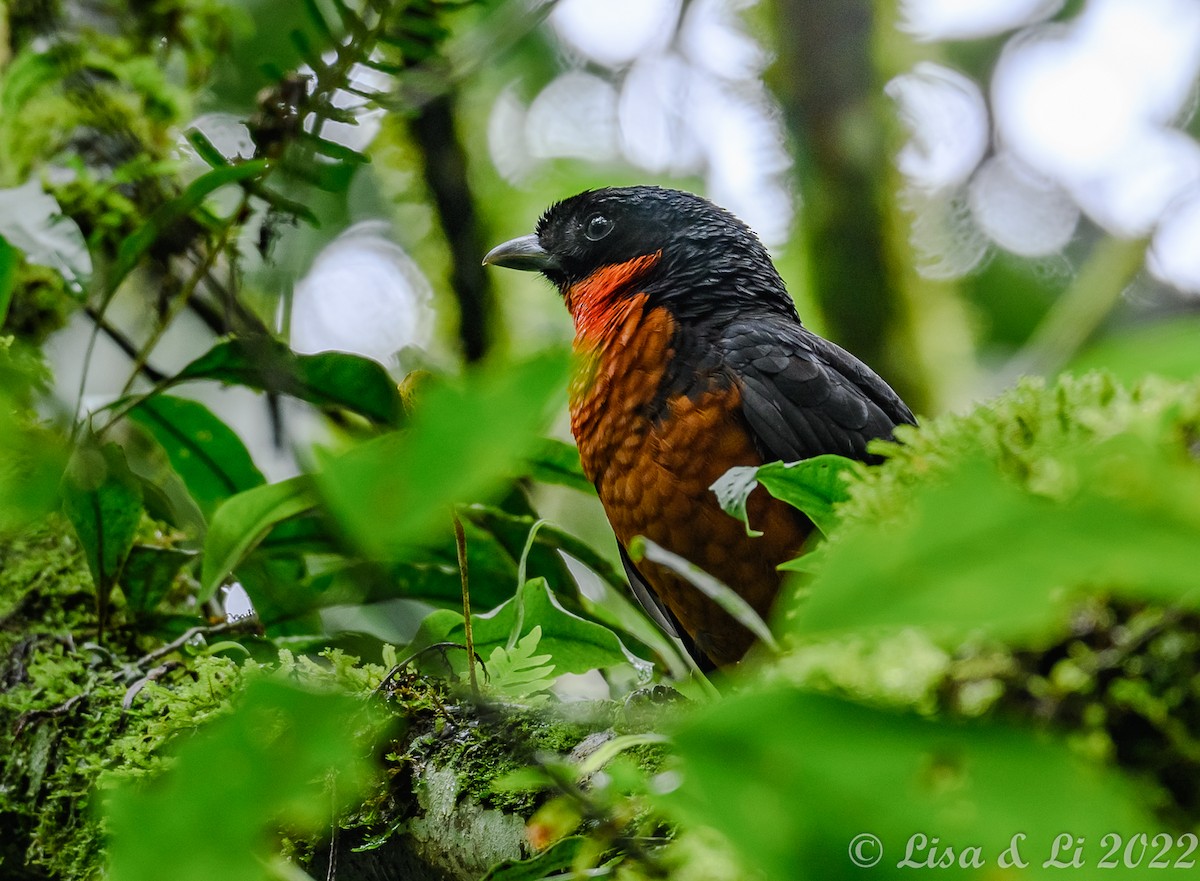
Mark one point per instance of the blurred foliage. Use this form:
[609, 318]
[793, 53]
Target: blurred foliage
[994, 633]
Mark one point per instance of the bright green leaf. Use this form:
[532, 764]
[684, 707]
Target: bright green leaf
[212, 461]
[813, 485]
[976, 553]
[793, 779]
[284, 757]
[397, 491]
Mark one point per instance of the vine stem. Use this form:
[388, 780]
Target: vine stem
[460, 541]
[1081, 309]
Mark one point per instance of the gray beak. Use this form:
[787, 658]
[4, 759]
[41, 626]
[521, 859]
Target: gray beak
[522, 253]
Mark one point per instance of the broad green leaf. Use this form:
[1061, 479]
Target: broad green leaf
[32, 465]
[243, 520]
[149, 573]
[793, 780]
[557, 462]
[977, 554]
[166, 216]
[464, 440]
[103, 501]
[212, 461]
[813, 485]
[574, 644]
[330, 379]
[9, 258]
[285, 758]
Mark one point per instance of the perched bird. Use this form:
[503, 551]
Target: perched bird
[695, 361]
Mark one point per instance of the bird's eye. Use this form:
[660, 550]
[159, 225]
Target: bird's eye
[598, 226]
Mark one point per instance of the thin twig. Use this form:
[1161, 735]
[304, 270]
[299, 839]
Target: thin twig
[460, 540]
[191, 633]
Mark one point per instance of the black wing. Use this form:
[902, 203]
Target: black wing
[804, 396]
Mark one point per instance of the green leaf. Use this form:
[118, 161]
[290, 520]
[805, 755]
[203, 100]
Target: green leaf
[103, 501]
[518, 672]
[464, 440]
[557, 463]
[244, 520]
[9, 259]
[793, 779]
[977, 554]
[815, 486]
[211, 460]
[163, 219]
[574, 644]
[330, 379]
[149, 573]
[285, 758]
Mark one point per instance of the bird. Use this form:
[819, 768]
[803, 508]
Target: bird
[694, 360]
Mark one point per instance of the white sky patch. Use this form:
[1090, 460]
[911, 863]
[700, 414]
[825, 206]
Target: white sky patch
[947, 241]
[1141, 182]
[574, 116]
[711, 37]
[1070, 100]
[615, 32]
[364, 295]
[1021, 211]
[947, 121]
[1174, 256]
[506, 137]
[746, 155]
[961, 20]
[656, 133]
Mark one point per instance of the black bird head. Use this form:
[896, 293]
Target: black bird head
[701, 261]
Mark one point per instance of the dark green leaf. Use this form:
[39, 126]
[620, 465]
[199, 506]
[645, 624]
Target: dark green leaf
[162, 220]
[103, 501]
[336, 151]
[555, 859]
[212, 461]
[149, 573]
[815, 486]
[330, 379]
[206, 149]
[243, 520]
[557, 463]
[793, 779]
[284, 757]
[9, 259]
[397, 491]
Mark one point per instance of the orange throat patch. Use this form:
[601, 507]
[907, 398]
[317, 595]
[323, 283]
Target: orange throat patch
[598, 304]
